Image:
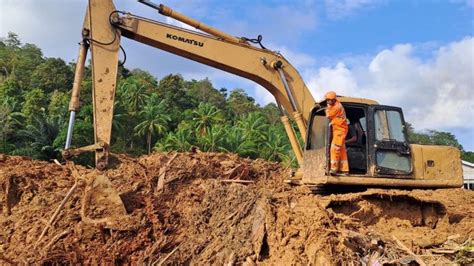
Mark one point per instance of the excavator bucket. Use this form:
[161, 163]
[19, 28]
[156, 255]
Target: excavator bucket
[101, 203]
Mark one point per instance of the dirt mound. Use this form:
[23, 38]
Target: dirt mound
[211, 208]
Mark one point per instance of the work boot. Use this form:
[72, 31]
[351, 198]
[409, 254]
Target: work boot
[333, 172]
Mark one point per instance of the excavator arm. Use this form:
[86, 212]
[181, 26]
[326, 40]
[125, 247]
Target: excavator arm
[103, 28]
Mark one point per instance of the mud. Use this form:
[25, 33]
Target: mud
[211, 208]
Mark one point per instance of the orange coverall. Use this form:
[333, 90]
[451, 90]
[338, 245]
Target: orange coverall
[337, 116]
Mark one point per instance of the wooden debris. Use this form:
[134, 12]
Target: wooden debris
[162, 175]
[236, 181]
[402, 246]
[54, 239]
[232, 259]
[2, 257]
[8, 196]
[450, 247]
[444, 251]
[148, 253]
[249, 262]
[58, 209]
[374, 258]
[167, 256]
[259, 229]
[238, 172]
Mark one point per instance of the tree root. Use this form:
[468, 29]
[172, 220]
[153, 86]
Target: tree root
[61, 205]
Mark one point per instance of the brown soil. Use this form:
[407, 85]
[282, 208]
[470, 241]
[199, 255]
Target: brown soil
[180, 208]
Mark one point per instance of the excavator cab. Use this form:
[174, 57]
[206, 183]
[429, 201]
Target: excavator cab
[378, 150]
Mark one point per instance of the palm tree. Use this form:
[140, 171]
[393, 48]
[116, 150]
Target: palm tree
[8, 119]
[178, 141]
[134, 94]
[124, 123]
[254, 126]
[236, 142]
[213, 139]
[275, 147]
[120, 116]
[41, 134]
[205, 117]
[155, 119]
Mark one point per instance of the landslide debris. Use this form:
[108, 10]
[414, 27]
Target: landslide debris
[213, 208]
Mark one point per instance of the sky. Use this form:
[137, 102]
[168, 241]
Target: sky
[416, 54]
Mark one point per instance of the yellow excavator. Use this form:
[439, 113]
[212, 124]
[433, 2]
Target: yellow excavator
[381, 156]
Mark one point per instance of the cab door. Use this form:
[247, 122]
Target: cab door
[390, 150]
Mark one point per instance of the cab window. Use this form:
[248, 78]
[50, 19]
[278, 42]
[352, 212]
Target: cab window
[319, 126]
[393, 160]
[389, 126]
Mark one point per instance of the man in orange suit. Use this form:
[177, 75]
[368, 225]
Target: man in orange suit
[336, 114]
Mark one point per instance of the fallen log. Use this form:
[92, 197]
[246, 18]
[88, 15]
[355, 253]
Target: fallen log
[236, 181]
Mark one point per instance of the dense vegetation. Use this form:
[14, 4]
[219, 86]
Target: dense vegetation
[167, 114]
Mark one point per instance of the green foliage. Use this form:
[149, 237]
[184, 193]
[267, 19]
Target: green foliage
[12, 41]
[433, 137]
[10, 88]
[444, 138]
[51, 75]
[135, 90]
[35, 102]
[272, 113]
[239, 103]
[154, 120]
[83, 135]
[213, 140]
[40, 136]
[202, 91]
[178, 141]
[58, 104]
[205, 117]
[236, 142]
[276, 146]
[10, 120]
[19, 60]
[468, 156]
[172, 89]
[253, 126]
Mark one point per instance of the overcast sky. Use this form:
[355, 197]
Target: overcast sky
[416, 54]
